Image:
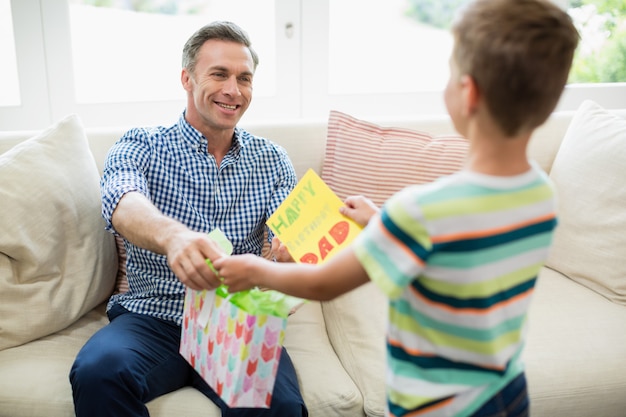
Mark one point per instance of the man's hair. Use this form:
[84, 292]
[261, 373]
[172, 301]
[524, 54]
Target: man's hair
[519, 52]
[222, 30]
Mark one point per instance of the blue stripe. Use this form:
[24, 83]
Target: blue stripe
[406, 240]
[437, 362]
[479, 302]
[496, 240]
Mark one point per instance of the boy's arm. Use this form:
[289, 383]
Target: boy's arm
[338, 275]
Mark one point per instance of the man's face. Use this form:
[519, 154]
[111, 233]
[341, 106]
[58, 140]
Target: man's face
[220, 89]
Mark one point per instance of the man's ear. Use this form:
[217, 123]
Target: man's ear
[470, 95]
[185, 79]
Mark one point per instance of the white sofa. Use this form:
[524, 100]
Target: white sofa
[576, 351]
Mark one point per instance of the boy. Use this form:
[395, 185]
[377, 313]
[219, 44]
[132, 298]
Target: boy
[458, 258]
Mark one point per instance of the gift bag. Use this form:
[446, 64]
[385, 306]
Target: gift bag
[234, 341]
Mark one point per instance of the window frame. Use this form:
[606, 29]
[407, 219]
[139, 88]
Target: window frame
[44, 59]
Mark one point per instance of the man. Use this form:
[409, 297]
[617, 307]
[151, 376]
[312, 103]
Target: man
[163, 190]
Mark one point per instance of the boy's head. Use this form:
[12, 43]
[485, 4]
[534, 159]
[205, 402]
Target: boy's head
[519, 53]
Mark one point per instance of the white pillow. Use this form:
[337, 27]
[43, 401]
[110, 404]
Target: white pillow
[589, 172]
[56, 260]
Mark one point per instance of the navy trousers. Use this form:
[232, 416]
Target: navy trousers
[135, 359]
[511, 401]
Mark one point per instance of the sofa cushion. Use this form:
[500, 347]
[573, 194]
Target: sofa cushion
[35, 376]
[376, 161]
[356, 323]
[327, 388]
[589, 172]
[575, 348]
[56, 260]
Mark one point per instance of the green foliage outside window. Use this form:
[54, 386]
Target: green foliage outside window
[601, 56]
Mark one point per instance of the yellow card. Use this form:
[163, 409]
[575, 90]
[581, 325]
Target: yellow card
[309, 224]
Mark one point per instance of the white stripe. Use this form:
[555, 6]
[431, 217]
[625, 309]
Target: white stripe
[413, 341]
[489, 271]
[480, 221]
[465, 319]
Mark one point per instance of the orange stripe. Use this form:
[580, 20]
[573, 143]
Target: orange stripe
[489, 232]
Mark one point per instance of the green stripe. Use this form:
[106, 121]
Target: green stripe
[477, 204]
[414, 227]
[481, 341]
[481, 289]
[378, 267]
[469, 190]
[461, 260]
[441, 376]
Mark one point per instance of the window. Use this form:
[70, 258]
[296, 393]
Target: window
[385, 50]
[131, 51]
[382, 59]
[602, 26]
[10, 95]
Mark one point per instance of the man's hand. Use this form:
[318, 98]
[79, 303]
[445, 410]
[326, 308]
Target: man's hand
[187, 252]
[359, 209]
[280, 252]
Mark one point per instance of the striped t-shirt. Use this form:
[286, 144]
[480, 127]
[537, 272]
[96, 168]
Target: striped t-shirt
[458, 259]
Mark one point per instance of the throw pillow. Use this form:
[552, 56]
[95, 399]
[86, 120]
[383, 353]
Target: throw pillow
[121, 281]
[375, 161]
[589, 171]
[56, 260]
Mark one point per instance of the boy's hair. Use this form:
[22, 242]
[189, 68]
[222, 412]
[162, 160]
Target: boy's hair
[222, 30]
[519, 52]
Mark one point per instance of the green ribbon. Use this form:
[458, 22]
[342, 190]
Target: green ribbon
[253, 301]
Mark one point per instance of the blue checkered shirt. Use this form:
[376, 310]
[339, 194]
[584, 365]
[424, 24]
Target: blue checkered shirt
[172, 168]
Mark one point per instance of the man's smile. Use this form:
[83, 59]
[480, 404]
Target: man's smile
[229, 106]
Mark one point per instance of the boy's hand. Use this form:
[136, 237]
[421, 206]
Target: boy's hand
[359, 209]
[240, 272]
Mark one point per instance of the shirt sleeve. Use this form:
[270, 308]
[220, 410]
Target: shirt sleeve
[395, 244]
[124, 169]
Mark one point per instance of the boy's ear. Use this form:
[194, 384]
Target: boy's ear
[470, 95]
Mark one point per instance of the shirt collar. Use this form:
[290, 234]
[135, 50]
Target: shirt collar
[197, 140]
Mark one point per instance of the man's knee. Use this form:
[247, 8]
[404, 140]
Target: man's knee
[93, 369]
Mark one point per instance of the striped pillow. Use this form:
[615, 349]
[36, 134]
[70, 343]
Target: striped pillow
[375, 161]
[121, 282]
